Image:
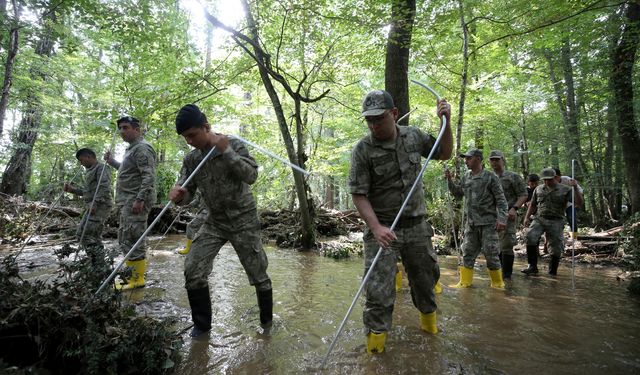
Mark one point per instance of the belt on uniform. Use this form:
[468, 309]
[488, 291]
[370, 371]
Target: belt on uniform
[405, 222]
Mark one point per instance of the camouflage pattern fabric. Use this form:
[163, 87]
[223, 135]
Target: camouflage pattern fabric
[552, 228]
[385, 172]
[247, 243]
[130, 230]
[137, 175]
[484, 205]
[103, 203]
[508, 237]
[224, 183]
[551, 202]
[513, 187]
[485, 201]
[420, 263]
[194, 225]
[549, 217]
[93, 231]
[481, 238]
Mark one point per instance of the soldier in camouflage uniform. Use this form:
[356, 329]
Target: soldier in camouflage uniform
[548, 203]
[98, 213]
[224, 182]
[196, 223]
[486, 212]
[135, 195]
[384, 166]
[515, 191]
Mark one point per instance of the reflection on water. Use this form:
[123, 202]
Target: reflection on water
[538, 325]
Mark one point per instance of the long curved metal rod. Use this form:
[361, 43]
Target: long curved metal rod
[271, 154]
[395, 221]
[155, 221]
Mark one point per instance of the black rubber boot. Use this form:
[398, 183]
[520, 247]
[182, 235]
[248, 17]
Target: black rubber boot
[532, 258]
[507, 265]
[200, 302]
[265, 303]
[553, 265]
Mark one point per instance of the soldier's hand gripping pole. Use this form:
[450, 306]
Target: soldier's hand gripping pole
[395, 221]
[95, 193]
[155, 221]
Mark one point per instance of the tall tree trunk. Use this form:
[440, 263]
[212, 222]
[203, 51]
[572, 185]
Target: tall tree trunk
[464, 82]
[396, 70]
[622, 61]
[12, 51]
[523, 148]
[18, 170]
[306, 216]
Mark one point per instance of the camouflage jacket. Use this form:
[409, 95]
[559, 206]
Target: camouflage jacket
[385, 172]
[551, 203]
[137, 175]
[484, 199]
[513, 187]
[224, 183]
[91, 177]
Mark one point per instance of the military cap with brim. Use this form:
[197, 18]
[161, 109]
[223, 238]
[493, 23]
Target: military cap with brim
[548, 173]
[472, 152]
[496, 154]
[376, 102]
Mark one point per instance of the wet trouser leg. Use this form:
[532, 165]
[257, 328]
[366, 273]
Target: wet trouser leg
[130, 230]
[421, 265]
[379, 291]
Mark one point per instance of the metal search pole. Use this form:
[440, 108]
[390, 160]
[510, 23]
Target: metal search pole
[152, 251]
[269, 153]
[155, 221]
[574, 227]
[395, 221]
[95, 193]
[41, 219]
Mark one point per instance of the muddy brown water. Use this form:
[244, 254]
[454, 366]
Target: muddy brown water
[538, 325]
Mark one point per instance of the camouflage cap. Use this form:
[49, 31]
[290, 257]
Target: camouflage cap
[376, 102]
[496, 154]
[547, 174]
[472, 152]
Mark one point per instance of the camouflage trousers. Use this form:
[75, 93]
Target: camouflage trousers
[420, 263]
[194, 225]
[93, 231]
[552, 228]
[198, 264]
[508, 237]
[130, 229]
[480, 238]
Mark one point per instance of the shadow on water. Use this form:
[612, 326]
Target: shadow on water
[537, 325]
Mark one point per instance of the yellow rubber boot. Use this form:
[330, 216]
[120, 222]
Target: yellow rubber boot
[438, 288]
[375, 342]
[466, 277]
[398, 281]
[186, 248]
[496, 279]
[137, 275]
[428, 322]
